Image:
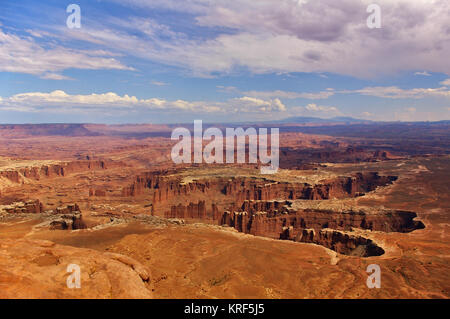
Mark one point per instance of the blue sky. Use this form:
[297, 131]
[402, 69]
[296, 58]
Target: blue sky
[156, 61]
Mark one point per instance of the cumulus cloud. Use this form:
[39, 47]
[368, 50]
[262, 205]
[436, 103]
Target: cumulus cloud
[291, 95]
[60, 101]
[445, 82]
[320, 108]
[251, 104]
[313, 109]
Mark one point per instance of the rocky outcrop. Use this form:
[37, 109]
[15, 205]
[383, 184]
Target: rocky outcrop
[269, 218]
[194, 211]
[39, 269]
[63, 218]
[11, 175]
[291, 158]
[97, 193]
[278, 220]
[69, 209]
[338, 241]
[68, 222]
[28, 207]
[262, 207]
[342, 187]
[163, 187]
[53, 170]
[67, 218]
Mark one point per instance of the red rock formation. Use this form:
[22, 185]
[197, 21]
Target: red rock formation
[342, 187]
[162, 188]
[269, 218]
[338, 241]
[278, 221]
[97, 193]
[44, 274]
[194, 211]
[332, 153]
[13, 176]
[68, 222]
[29, 207]
[69, 209]
[54, 170]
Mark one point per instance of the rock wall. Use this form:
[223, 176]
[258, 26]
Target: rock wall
[194, 211]
[97, 193]
[269, 218]
[54, 170]
[162, 186]
[343, 187]
[335, 240]
[28, 207]
[68, 222]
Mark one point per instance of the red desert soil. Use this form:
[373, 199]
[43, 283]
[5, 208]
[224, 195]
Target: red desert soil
[139, 227]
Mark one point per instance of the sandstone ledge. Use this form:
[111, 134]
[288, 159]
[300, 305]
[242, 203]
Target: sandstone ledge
[38, 269]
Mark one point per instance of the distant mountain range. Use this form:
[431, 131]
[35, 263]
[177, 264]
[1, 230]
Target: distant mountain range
[305, 120]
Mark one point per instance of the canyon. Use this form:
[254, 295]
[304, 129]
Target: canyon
[111, 199]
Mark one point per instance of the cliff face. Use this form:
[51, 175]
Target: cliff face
[270, 217]
[330, 153]
[68, 222]
[163, 187]
[28, 207]
[263, 207]
[344, 187]
[97, 192]
[240, 189]
[53, 170]
[277, 220]
[194, 211]
[66, 217]
[338, 241]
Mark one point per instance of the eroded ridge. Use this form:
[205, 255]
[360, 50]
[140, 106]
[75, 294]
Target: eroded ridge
[250, 203]
[267, 208]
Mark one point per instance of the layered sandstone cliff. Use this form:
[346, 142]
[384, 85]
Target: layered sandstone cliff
[28, 207]
[163, 187]
[19, 174]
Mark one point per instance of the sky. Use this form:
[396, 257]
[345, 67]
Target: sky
[171, 61]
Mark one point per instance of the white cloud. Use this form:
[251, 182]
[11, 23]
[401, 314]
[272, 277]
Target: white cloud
[393, 92]
[319, 108]
[310, 36]
[315, 110]
[264, 36]
[159, 83]
[55, 76]
[25, 55]
[424, 73]
[445, 82]
[291, 95]
[251, 104]
[62, 102]
[227, 89]
[389, 92]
